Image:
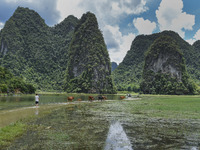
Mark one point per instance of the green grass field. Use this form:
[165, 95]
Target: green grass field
[175, 107]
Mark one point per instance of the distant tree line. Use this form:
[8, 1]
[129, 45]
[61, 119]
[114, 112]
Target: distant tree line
[11, 84]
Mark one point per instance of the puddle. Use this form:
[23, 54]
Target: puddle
[117, 138]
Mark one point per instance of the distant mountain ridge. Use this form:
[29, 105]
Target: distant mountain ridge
[113, 66]
[128, 74]
[35, 51]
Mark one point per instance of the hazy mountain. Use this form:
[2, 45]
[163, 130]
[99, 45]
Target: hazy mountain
[113, 66]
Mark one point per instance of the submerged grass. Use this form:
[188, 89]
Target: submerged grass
[70, 127]
[169, 107]
[152, 122]
[11, 132]
[174, 107]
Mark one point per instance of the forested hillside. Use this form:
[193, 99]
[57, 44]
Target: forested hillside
[31, 49]
[10, 83]
[89, 68]
[128, 74]
[39, 54]
[164, 69]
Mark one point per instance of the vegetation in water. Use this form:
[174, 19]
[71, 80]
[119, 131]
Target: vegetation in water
[153, 122]
[9, 133]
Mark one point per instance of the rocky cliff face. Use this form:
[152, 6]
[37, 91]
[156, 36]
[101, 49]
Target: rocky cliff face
[89, 68]
[130, 69]
[165, 64]
[164, 70]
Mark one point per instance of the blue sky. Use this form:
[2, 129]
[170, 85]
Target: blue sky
[119, 20]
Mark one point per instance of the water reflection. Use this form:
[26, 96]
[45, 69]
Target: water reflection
[12, 102]
[10, 116]
[117, 138]
[36, 110]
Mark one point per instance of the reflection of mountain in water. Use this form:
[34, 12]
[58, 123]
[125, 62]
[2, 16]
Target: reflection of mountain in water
[117, 138]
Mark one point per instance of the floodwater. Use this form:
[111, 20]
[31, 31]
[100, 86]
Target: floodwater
[99, 126]
[13, 108]
[11, 102]
[117, 138]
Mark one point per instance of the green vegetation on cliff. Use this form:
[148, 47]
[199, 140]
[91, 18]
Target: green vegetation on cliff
[34, 51]
[39, 54]
[164, 70]
[89, 68]
[10, 83]
[128, 75]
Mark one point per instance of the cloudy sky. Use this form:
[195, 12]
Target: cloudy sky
[120, 20]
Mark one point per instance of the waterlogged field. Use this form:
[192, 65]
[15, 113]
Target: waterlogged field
[152, 122]
[13, 108]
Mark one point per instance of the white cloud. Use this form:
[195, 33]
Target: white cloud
[46, 8]
[118, 44]
[197, 35]
[1, 25]
[67, 7]
[144, 26]
[127, 7]
[112, 36]
[195, 38]
[191, 41]
[171, 17]
[109, 13]
[105, 8]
